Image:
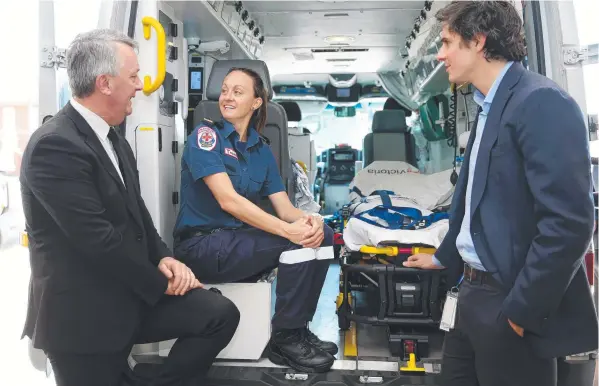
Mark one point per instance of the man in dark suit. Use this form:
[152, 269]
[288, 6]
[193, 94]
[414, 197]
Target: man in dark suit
[522, 212]
[102, 279]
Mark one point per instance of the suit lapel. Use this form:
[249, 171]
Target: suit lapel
[469, 145]
[460, 189]
[94, 143]
[91, 139]
[490, 133]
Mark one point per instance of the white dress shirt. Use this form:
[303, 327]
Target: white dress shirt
[101, 128]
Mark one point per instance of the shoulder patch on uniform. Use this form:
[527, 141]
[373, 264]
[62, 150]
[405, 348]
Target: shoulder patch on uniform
[206, 138]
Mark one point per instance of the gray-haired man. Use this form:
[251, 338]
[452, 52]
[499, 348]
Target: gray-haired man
[102, 279]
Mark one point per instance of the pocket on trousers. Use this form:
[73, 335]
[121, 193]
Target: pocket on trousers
[504, 325]
[200, 255]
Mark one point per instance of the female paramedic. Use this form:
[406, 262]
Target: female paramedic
[223, 236]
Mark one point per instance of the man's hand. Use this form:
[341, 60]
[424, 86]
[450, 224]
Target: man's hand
[517, 329]
[314, 237]
[180, 278]
[421, 260]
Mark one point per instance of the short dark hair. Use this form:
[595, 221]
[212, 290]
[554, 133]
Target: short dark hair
[497, 20]
[260, 91]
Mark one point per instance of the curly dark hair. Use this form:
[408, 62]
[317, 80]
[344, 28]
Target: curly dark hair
[497, 20]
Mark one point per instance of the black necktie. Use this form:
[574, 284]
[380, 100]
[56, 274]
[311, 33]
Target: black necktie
[117, 144]
[128, 174]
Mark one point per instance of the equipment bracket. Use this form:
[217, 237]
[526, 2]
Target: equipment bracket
[582, 54]
[53, 57]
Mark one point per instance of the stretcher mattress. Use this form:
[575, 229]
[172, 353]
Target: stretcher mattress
[428, 190]
[411, 189]
[358, 233]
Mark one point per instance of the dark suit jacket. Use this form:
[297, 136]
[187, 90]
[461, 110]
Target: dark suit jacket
[532, 212]
[93, 247]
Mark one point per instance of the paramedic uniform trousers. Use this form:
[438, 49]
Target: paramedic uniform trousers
[227, 256]
[483, 349]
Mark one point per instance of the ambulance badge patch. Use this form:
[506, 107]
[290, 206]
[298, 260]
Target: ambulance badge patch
[206, 138]
[231, 152]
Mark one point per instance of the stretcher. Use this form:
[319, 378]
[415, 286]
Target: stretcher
[394, 212]
[391, 201]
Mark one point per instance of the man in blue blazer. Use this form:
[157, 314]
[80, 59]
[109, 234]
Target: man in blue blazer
[522, 211]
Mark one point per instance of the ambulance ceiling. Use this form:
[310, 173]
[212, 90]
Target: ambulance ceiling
[322, 37]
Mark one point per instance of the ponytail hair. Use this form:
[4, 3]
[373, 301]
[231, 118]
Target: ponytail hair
[259, 116]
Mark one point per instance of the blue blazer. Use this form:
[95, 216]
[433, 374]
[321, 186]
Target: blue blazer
[532, 212]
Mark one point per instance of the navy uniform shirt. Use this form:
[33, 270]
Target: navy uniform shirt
[215, 148]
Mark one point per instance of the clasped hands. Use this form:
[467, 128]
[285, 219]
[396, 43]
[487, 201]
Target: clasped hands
[180, 278]
[307, 231]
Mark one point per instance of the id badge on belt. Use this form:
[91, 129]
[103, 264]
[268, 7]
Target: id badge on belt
[450, 308]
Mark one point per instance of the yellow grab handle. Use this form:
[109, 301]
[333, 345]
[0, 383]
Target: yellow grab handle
[389, 251]
[149, 22]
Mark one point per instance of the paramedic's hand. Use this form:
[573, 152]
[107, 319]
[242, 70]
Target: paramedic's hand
[421, 260]
[517, 329]
[180, 278]
[295, 231]
[314, 237]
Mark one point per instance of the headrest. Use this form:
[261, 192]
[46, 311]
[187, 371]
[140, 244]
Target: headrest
[392, 104]
[389, 121]
[293, 111]
[220, 69]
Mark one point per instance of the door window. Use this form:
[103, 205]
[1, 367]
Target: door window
[20, 96]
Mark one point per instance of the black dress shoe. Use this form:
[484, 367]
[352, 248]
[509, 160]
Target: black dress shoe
[324, 345]
[291, 348]
[144, 374]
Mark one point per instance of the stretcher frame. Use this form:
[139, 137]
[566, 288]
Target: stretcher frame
[361, 262]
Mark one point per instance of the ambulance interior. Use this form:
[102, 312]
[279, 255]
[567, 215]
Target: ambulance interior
[361, 101]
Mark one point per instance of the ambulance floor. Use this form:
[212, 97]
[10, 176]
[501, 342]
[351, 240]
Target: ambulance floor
[373, 363]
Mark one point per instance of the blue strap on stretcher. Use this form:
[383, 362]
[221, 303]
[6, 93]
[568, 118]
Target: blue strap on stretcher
[397, 217]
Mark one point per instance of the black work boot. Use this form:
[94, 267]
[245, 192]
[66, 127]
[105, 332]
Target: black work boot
[291, 348]
[324, 345]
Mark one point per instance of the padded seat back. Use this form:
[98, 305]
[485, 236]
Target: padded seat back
[389, 140]
[276, 119]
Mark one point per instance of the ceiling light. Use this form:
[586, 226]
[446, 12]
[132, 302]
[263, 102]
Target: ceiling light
[339, 39]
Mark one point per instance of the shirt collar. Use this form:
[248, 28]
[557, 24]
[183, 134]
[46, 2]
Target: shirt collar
[228, 129]
[485, 101]
[98, 125]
